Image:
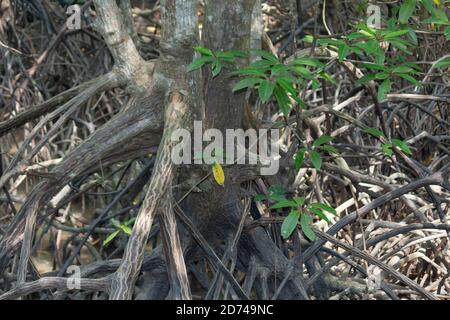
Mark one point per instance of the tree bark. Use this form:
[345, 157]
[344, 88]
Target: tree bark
[179, 35]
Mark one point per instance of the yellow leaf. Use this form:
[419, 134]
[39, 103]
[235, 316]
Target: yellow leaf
[438, 2]
[218, 174]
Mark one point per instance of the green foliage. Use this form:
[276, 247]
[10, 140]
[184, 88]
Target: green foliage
[275, 79]
[406, 10]
[368, 44]
[300, 213]
[281, 82]
[444, 63]
[271, 77]
[438, 16]
[319, 145]
[276, 193]
[290, 223]
[388, 145]
[121, 227]
[217, 60]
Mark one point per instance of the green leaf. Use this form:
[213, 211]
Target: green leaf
[322, 140]
[115, 223]
[384, 89]
[380, 57]
[305, 221]
[287, 85]
[312, 62]
[387, 149]
[366, 78]
[323, 206]
[276, 197]
[230, 54]
[374, 132]
[343, 51]
[197, 63]
[261, 64]
[417, 68]
[406, 10]
[129, 222]
[366, 34]
[299, 158]
[308, 39]
[276, 189]
[391, 23]
[238, 53]
[447, 33]
[328, 77]
[329, 149]
[413, 37]
[409, 78]
[290, 223]
[265, 90]
[402, 45]
[300, 201]
[373, 66]
[441, 15]
[372, 46]
[363, 46]
[436, 13]
[443, 63]
[125, 229]
[245, 83]
[428, 4]
[260, 197]
[216, 68]
[434, 21]
[266, 55]
[111, 237]
[402, 69]
[283, 100]
[279, 70]
[320, 214]
[285, 203]
[249, 72]
[356, 35]
[402, 146]
[315, 84]
[367, 30]
[316, 160]
[204, 51]
[395, 34]
[305, 73]
[382, 75]
[226, 56]
[356, 50]
[329, 42]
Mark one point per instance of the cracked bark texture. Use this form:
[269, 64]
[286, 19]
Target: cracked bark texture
[179, 35]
